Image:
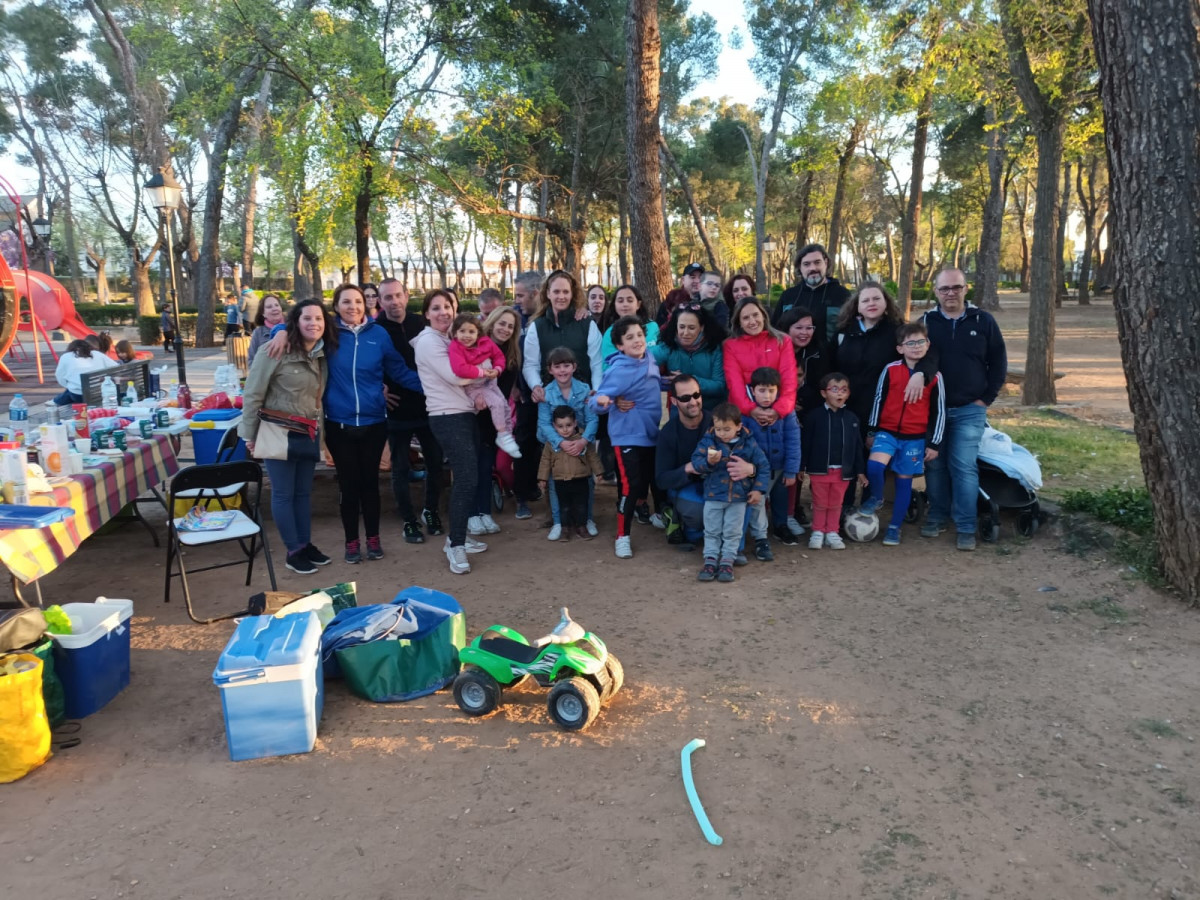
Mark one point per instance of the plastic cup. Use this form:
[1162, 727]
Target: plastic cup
[83, 445]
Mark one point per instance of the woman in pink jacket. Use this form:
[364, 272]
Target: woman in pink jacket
[753, 344]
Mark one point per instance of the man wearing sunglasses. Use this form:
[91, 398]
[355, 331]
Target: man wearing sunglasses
[973, 361]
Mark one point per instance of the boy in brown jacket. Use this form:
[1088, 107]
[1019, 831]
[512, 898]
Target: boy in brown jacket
[569, 473]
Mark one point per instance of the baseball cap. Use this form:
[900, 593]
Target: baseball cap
[693, 268]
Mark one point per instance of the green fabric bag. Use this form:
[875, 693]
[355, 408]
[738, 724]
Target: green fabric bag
[343, 594]
[52, 686]
[404, 669]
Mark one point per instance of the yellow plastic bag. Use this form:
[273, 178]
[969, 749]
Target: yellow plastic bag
[24, 731]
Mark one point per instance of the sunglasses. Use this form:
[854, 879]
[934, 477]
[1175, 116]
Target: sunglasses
[684, 398]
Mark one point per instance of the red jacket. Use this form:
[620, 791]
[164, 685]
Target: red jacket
[925, 419]
[745, 354]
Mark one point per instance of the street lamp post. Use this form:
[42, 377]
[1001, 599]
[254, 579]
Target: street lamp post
[162, 192]
[41, 229]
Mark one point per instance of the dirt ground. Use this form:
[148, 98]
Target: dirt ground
[881, 722]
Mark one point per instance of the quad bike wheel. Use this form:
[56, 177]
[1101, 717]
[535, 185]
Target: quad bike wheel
[573, 704]
[476, 692]
[616, 676]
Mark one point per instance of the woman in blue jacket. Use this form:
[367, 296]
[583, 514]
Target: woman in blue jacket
[690, 344]
[356, 414]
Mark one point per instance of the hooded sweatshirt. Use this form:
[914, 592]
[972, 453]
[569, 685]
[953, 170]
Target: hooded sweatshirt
[636, 380]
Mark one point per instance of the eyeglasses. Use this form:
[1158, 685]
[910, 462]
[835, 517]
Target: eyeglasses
[915, 345]
[951, 288]
[832, 389]
[684, 398]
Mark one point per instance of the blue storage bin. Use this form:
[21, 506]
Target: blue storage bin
[272, 686]
[93, 661]
[206, 441]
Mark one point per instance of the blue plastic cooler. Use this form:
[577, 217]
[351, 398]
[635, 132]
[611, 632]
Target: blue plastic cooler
[272, 686]
[206, 441]
[93, 661]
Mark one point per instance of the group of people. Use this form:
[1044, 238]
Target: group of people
[83, 356]
[569, 383]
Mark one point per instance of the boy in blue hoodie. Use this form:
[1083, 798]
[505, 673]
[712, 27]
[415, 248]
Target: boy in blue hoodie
[630, 374]
[780, 441]
[564, 388]
[725, 500]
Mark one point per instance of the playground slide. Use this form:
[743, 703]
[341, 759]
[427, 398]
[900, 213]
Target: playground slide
[52, 304]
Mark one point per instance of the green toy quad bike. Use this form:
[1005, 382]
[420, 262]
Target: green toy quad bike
[580, 672]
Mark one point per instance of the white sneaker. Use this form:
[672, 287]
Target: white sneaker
[591, 528]
[458, 559]
[508, 444]
[658, 521]
[476, 525]
[624, 548]
[490, 524]
[834, 541]
[474, 546]
[816, 540]
[555, 533]
[794, 526]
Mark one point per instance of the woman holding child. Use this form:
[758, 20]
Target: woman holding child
[755, 344]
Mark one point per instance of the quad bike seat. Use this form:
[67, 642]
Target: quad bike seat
[510, 649]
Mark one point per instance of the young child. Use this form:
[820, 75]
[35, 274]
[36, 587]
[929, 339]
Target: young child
[566, 390]
[780, 442]
[125, 352]
[832, 450]
[474, 355]
[725, 500]
[570, 473]
[906, 435]
[631, 374]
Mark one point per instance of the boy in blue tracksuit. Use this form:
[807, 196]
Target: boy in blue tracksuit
[780, 441]
[564, 389]
[725, 500]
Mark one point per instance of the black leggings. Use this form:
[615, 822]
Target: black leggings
[635, 471]
[356, 451]
[459, 436]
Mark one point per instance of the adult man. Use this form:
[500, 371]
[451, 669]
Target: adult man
[525, 292]
[690, 281]
[525, 299]
[673, 470]
[489, 299]
[711, 299]
[816, 291]
[973, 363]
[407, 417]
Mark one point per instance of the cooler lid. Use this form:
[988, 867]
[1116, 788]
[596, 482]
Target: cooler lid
[261, 641]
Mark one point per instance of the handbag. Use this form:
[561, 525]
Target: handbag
[273, 429]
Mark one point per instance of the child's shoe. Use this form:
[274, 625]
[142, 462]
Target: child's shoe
[489, 524]
[582, 533]
[642, 512]
[725, 572]
[794, 526]
[709, 572]
[658, 521]
[564, 534]
[834, 541]
[433, 522]
[786, 536]
[374, 548]
[475, 525]
[892, 538]
[624, 548]
[592, 530]
[555, 533]
[353, 553]
[816, 540]
[740, 560]
[762, 550]
[870, 506]
[523, 511]
[412, 533]
[506, 442]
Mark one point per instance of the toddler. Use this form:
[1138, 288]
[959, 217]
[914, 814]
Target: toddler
[474, 355]
[780, 442]
[571, 473]
[831, 448]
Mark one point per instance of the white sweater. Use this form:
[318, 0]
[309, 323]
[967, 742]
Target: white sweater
[444, 394]
[72, 365]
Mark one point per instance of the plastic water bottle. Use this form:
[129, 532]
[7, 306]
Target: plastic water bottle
[131, 397]
[108, 393]
[18, 409]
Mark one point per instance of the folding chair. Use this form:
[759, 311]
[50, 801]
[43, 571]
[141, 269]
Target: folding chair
[209, 482]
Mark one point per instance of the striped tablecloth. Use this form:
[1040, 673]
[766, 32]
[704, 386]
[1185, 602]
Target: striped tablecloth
[96, 496]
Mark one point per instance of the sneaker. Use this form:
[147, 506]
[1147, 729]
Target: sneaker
[433, 522]
[474, 546]
[299, 563]
[892, 538]
[624, 548]
[582, 533]
[374, 548]
[709, 572]
[762, 550]
[556, 532]
[816, 540]
[794, 526]
[315, 556]
[642, 512]
[508, 444]
[412, 533]
[591, 528]
[458, 559]
[740, 560]
[870, 507]
[536, 495]
[932, 529]
[490, 524]
[786, 536]
[608, 478]
[565, 537]
[475, 525]
[725, 572]
[965, 542]
[523, 510]
[834, 541]
[353, 553]
[658, 521]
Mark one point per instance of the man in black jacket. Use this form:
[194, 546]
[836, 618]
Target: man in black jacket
[973, 362]
[407, 417]
[816, 291]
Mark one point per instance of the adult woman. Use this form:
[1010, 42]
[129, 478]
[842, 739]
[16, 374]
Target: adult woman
[561, 320]
[370, 294]
[627, 301]
[737, 289]
[598, 306]
[453, 422]
[755, 343]
[78, 359]
[293, 383]
[503, 326]
[691, 345]
[356, 414]
[813, 357]
[674, 299]
[270, 313]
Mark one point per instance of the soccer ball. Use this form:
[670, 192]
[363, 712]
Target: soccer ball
[862, 527]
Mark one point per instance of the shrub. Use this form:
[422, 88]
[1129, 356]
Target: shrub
[107, 313]
[1128, 508]
[149, 334]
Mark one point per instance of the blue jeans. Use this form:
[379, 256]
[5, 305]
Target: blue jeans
[724, 523]
[689, 504]
[291, 491]
[955, 472]
[777, 495]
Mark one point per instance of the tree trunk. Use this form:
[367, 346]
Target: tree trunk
[1060, 272]
[805, 205]
[912, 215]
[651, 262]
[519, 248]
[143, 290]
[250, 191]
[1089, 208]
[1021, 201]
[623, 234]
[1038, 387]
[362, 217]
[543, 208]
[1149, 62]
[987, 280]
[845, 157]
[691, 201]
[889, 244]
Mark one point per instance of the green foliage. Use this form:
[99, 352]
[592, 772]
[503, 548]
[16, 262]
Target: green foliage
[107, 313]
[149, 334]
[1128, 508]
